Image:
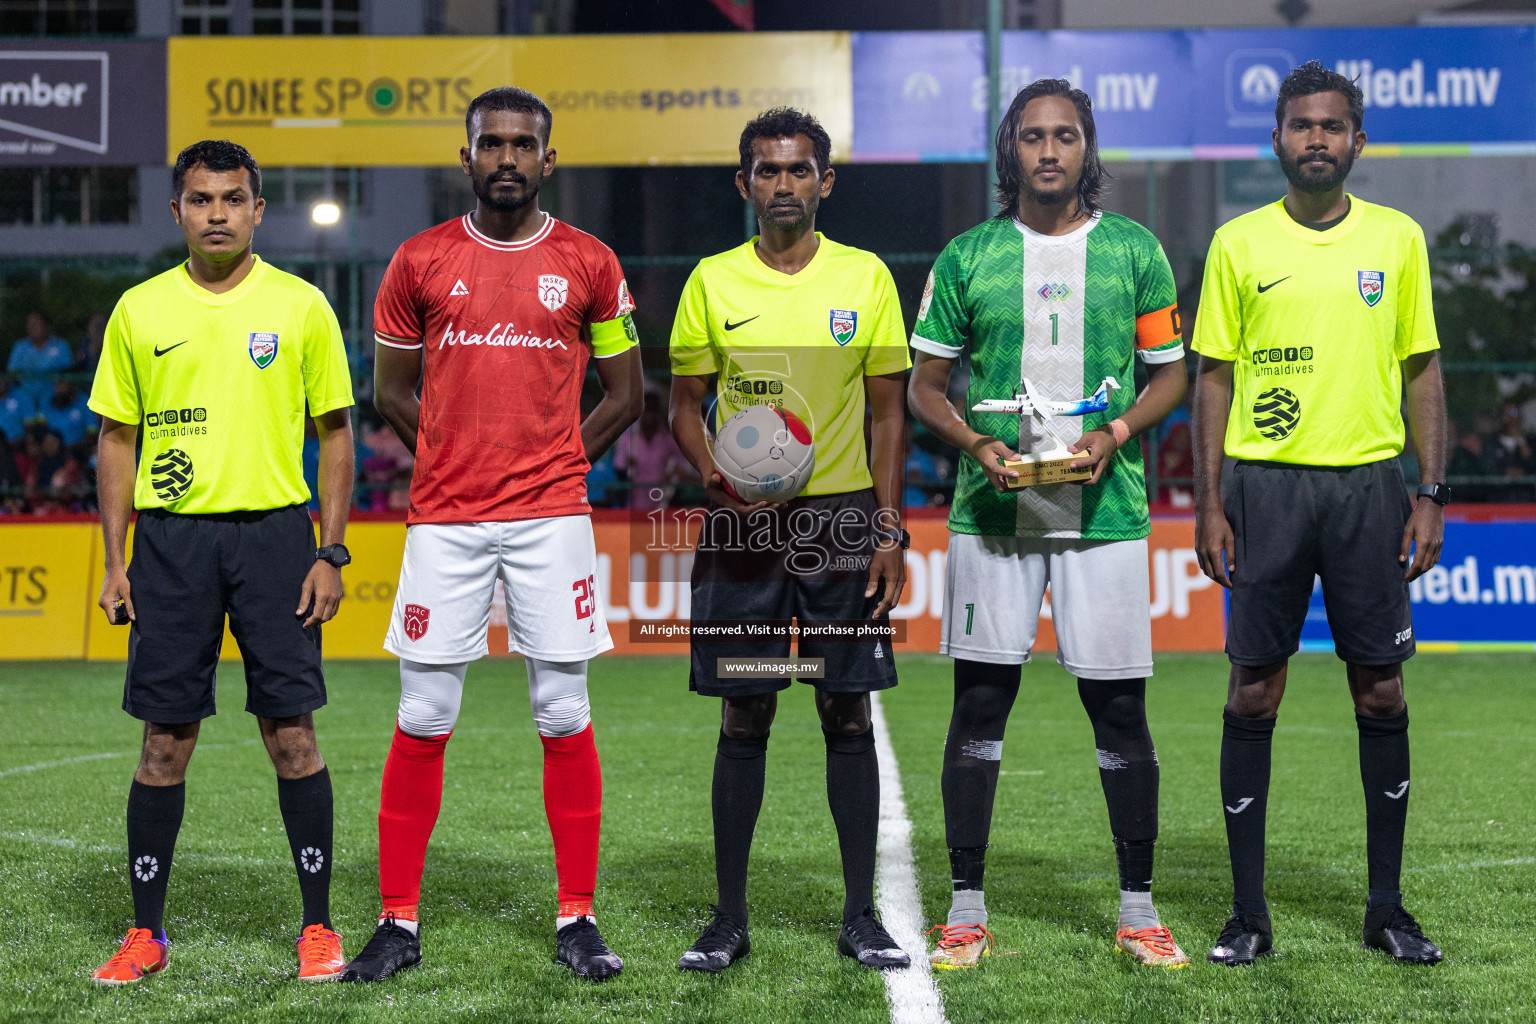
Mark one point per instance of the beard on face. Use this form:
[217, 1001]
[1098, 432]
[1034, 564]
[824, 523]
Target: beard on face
[1297, 172]
[1064, 193]
[505, 204]
[803, 214]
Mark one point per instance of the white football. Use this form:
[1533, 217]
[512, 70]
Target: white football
[765, 454]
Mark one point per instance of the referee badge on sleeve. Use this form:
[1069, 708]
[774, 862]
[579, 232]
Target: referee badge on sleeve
[1372, 284]
[263, 348]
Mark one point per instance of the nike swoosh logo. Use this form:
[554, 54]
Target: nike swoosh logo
[1242, 805]
[731, 327]
[162, 351]
[1266, 287]
[1400, 791]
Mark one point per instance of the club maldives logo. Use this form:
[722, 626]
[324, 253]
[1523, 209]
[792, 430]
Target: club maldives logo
[1372, 283]
[844, 325]
[263, 348]
[57, 97]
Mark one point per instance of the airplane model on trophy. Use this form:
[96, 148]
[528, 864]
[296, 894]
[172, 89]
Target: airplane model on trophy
[1054, 465]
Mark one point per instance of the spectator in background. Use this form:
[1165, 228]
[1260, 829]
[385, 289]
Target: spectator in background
[16, 408]
[38, 355]
[67, 415]
[1468, 458]
[1510, 455]
[387, 466]
[603, 489]
[95, 334]
[646, 456]
[925, 473]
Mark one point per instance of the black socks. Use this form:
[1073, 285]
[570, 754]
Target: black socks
[973, 751]
[308, 819]
[1245, 749]
[1128, 771]
[154, 820]
[736, 797]
[853, 794]
[1384, 774]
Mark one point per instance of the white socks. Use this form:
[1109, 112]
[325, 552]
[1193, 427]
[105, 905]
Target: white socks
[410, 926]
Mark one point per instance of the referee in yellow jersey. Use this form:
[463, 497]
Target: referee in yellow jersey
[793, 320]
[1313, 312]
[214, 362]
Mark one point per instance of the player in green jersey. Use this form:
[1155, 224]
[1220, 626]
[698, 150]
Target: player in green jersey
[1314, 312]
[1055, 289]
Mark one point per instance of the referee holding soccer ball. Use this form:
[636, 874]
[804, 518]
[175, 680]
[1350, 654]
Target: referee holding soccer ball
[1313, 312]
[214, 362]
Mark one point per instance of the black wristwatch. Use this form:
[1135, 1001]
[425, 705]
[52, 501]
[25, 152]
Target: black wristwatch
[335, 554]
[895, 536]
[1440, 494]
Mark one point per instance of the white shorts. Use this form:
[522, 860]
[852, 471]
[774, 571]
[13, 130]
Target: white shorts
[1100, 602]
[548, 568]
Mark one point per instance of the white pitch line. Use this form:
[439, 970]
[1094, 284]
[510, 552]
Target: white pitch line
[56, 764]
[913, 996]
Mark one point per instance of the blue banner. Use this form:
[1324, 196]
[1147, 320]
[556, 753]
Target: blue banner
[1422, 86]
[921, 96]
[914, 97]
[1483, 591]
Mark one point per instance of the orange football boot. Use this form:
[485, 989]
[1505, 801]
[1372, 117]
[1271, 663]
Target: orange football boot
[140, 954]
[320, 957]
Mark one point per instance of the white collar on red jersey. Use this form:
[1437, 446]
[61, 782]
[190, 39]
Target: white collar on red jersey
[491, 243]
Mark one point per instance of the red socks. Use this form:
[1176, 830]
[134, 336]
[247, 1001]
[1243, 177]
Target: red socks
[413, 794]
[573, 801]
[408, 806]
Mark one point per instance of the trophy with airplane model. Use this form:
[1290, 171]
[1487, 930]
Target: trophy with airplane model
[1054, 465]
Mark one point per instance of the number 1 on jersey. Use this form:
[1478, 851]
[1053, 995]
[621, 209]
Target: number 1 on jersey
[970, 613]
[1055, 335]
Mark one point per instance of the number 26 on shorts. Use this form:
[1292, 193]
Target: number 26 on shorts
[585, 591]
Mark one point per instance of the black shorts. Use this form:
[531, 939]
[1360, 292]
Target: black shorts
[1343, 524]
[186, 573]
[808, 561]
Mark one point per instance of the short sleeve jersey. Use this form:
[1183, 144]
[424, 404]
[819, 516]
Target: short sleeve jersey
[802, 342]
[1318, 324]
[1066, 311]
[505, 330]
[219, 384]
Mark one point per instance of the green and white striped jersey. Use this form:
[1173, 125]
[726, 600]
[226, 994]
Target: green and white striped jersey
[1066, 311]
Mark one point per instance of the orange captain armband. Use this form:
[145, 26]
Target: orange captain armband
[1158, 328]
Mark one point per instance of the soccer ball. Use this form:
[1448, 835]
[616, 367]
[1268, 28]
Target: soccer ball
[765, 454]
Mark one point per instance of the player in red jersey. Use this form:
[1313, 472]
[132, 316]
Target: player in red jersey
[495, 315]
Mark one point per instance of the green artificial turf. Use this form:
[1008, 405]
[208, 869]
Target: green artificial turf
[67, 754]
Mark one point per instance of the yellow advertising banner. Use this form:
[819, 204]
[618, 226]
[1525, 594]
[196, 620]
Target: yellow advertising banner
[44, 571]
[400, 102]
[357, 631]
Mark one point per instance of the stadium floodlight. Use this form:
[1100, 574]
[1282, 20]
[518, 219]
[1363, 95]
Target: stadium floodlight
[325, 213]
